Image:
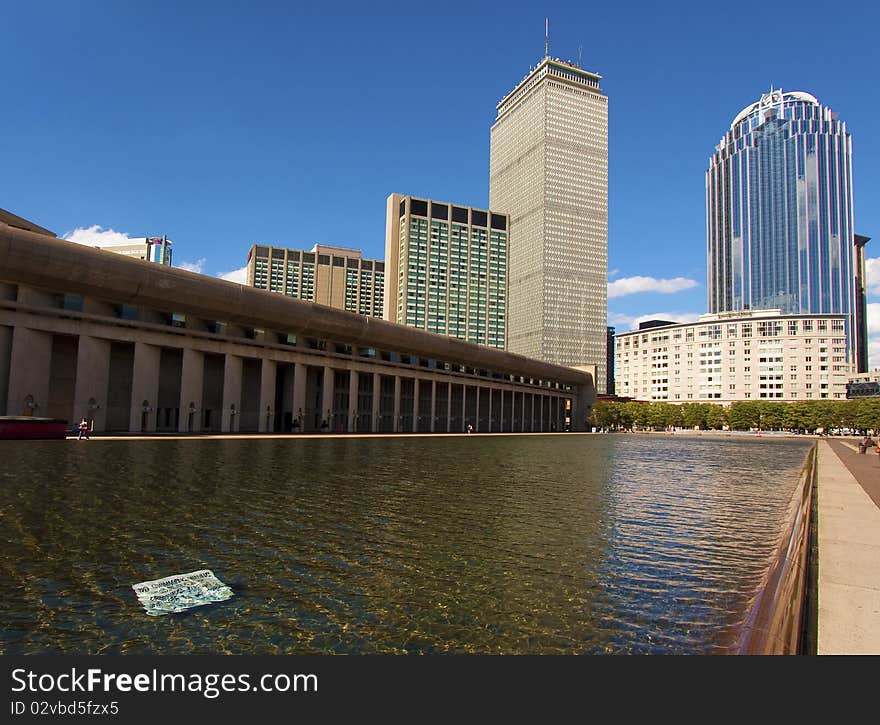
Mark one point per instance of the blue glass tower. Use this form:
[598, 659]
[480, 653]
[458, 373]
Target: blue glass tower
[779, 211]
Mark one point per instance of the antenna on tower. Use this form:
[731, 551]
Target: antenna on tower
[547, 37]
[580, 56]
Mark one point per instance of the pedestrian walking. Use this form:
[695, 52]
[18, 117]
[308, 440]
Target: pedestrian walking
[83, 430]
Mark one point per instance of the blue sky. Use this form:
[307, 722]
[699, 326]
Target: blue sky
[223, 124]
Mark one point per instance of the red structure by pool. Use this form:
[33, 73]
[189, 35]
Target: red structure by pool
[28, 427]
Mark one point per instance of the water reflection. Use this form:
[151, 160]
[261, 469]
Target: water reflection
[550, 544]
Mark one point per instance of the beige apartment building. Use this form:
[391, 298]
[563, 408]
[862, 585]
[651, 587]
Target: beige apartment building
[728, 357]
[333, 276]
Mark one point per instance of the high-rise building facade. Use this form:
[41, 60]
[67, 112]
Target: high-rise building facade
[150, 249]
[549, 172]
[779, 204]
[159, 250]
[333, 276]
[447, 269]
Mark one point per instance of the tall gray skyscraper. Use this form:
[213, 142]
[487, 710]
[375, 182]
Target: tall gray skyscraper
[779, 205]
[549, 171]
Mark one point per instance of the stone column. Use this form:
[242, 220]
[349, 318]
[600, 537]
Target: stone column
[29, 368]
[491, 410]
[327, 398]
[92, 379]
[396, 423]
[192, 377]
[449, 408]
[583, 397]
[144, 387]
[300, 376]
[267, 396]
[433, 404]
[463, 407]
[353, 400]
[534, 427]
[415, 423]
[522, 418]
[501, 411]
[377, 401]
[476, 422]
[232, 367]
[5, 357]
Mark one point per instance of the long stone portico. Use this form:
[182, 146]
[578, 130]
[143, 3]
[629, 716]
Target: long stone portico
[136, 347]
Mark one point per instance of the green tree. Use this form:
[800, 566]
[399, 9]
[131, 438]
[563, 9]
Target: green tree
[867, 415]
[825, 418]
[628, 415]
[795, 417]
[663, 415]
[603, 414]
[676, 417]
[772, 415]
[743, 415]
[716, 417]
[640, 414]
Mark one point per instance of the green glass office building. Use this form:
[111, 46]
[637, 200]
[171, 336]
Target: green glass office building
[446, 269]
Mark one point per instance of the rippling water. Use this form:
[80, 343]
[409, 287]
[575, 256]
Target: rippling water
[532, 544]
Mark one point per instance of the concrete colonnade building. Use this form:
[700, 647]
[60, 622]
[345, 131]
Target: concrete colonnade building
[139, 347]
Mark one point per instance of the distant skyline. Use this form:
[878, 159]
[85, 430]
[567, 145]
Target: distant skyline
[222, 125]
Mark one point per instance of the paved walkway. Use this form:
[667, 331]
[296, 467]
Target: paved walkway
[292, 436]
[849, 549]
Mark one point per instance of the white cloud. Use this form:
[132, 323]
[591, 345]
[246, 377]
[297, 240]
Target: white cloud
[198, 266]
[873, 318]
[873, 314]
[872, 275]
[634, 285]
[236, 275]
[619, 320]
[97, 236]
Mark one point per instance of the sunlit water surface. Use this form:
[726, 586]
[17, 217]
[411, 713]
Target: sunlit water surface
[521, 544]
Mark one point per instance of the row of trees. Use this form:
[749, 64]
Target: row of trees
[858, 415]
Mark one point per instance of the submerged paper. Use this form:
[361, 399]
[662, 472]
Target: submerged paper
[180, 592]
